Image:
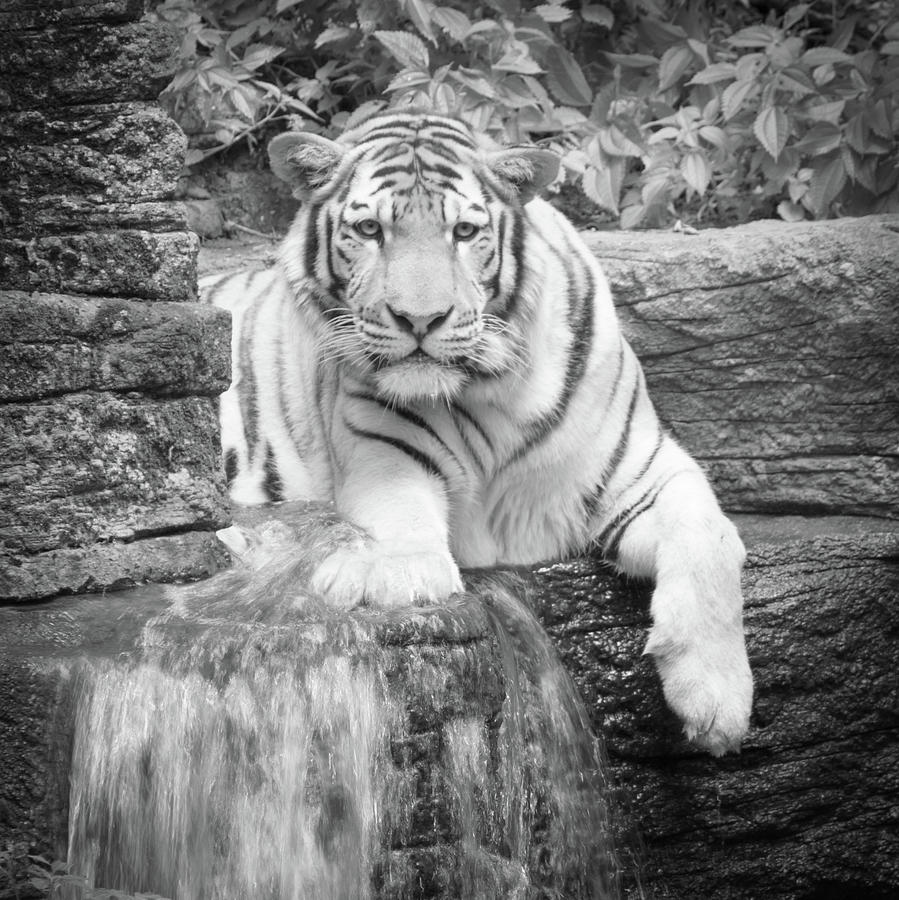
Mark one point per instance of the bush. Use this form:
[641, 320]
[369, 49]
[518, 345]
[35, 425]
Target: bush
[660, 110]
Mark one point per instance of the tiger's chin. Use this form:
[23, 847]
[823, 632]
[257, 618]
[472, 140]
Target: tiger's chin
[409, 381]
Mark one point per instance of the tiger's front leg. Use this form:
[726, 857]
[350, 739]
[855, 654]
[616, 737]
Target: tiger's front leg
[674, 532]
[403, 509]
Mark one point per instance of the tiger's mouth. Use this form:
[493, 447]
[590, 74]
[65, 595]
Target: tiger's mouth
[418, 376]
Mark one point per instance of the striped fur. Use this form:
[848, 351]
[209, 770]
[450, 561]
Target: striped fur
[439, 354]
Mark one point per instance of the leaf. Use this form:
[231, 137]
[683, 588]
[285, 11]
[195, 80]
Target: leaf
[408, 79]
[407, 49]
[755, 36]
[597, 14]
[566, 79]
[877, 118]
[332, 34]
[890, 48]
[797, 81]
[632, 60]
[714, 136]
[517, 58]
[828, 179]
[456, 24]
[598, 186]
[792, 16]
[790, 212]
[735, 96]
[552, 12]
[674, 62]
[822, 56]
[631, 216]
[827, 112]
[420, 13]
[286, 4]
[821, 138]
[857, 133]
[715, 73]
[696, 171]
[614, 143]
[772, 128]
[751, 66]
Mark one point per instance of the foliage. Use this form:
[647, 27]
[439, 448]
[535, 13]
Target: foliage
[53, 880]
[660, 108]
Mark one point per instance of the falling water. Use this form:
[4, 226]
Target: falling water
[261, 745]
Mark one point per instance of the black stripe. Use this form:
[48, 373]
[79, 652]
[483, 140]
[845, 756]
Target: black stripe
[625, 436]
[413, 453]
[609, 539]
[462, 411]
[247, 389]
[337, 282]
[310, 241]
[493, 286]
[384, 171]
[210, 293]
[440, 150]
[408, 416]
[578, 355]
[230, 465]
[440, 169]
[272, 485]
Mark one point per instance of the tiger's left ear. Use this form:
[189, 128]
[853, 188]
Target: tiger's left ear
[525, 170]
[305, 161]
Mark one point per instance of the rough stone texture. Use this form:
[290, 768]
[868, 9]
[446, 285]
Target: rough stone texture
[22, 14]
[90, 466]
[111, 566]
[123, 263]
[110, 471]
[55, 344]
[103, 153]
[771, 352]
[808, 810]
[811, 804]
[87, 63]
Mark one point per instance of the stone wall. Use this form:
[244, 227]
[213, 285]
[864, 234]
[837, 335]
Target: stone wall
[109, 464]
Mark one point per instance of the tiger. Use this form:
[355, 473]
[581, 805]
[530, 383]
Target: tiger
[437, 353]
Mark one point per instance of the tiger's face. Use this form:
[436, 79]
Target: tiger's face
[411, 238]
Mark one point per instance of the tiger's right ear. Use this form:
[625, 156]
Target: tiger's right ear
[305, 161]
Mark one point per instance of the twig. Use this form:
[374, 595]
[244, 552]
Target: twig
[235, 226]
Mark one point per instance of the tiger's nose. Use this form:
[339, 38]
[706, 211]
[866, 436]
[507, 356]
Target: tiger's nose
[418, 326]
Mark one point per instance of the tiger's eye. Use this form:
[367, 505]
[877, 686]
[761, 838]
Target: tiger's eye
[464, 231]
[368, 228]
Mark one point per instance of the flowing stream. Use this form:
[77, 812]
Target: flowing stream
[260, 745]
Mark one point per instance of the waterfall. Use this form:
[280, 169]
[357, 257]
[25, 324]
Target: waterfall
[257, 744]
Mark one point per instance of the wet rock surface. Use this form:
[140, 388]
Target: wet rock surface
[808, 807]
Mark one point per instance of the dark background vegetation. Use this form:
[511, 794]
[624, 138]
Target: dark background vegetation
[710, 112]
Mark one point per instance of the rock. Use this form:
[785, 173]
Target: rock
[807, 810]
[100, 466]
[89, 63]
[52, 344]
[771, 352]
[812, 802]
[21, 14]
[120, 263]
[205, 218]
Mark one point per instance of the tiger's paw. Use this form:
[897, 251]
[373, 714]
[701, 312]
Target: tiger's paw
[708, 685]
[386, 576]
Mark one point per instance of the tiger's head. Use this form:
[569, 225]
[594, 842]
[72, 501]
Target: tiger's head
[410, 240]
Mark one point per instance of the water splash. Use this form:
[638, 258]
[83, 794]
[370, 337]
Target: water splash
[258, 744]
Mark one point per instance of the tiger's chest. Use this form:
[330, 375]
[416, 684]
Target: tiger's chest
[503, 508]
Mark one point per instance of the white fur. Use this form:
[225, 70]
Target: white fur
[485, 510]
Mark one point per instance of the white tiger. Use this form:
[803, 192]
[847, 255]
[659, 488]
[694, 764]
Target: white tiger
[437, 351]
